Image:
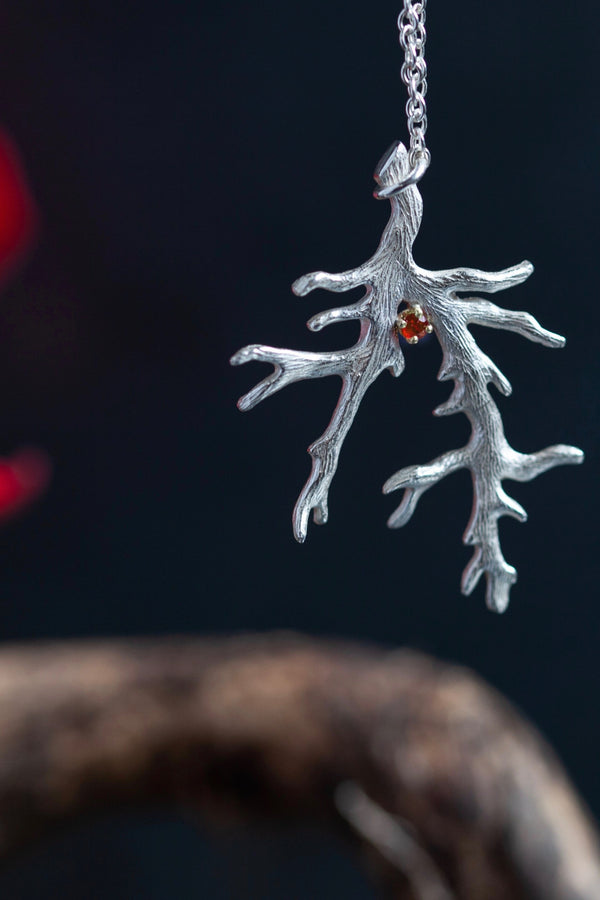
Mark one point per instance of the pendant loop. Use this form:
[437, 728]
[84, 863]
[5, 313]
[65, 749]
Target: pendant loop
[420, 166]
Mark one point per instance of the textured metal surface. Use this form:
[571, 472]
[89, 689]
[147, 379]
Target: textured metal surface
[391, 277]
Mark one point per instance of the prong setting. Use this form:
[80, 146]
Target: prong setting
[412, 323]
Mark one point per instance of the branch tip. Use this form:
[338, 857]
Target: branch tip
[301, 286]
[497, 591]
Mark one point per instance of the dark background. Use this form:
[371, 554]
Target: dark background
[190, 161]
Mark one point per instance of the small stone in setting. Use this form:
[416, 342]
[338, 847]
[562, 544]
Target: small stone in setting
[413, 325]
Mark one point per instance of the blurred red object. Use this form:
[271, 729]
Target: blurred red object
[23, 477]
[18, 214]
[25, 474]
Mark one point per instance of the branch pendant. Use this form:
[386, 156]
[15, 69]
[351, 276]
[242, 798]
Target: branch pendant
[402, 297]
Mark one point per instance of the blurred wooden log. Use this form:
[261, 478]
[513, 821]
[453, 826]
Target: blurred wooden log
[269, 727]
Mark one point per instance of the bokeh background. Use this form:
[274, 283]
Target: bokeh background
[189, 161]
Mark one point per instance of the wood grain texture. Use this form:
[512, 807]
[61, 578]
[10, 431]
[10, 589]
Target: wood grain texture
[268, 727]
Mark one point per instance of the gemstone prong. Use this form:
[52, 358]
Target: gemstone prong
[412, 324]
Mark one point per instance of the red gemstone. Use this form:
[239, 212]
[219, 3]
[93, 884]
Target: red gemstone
[412, 324]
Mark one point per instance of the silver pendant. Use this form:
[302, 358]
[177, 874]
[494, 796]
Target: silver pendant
[393, 279]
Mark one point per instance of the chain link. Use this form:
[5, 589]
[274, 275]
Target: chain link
[411, 24]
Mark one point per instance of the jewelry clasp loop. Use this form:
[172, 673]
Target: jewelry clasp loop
[420, 166]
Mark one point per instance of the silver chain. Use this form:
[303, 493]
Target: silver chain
[411, 24]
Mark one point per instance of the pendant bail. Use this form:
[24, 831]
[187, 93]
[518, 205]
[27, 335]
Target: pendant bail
[391, 168]
[420, 166]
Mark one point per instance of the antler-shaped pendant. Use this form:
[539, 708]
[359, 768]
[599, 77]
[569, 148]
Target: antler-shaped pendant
[392, 278]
